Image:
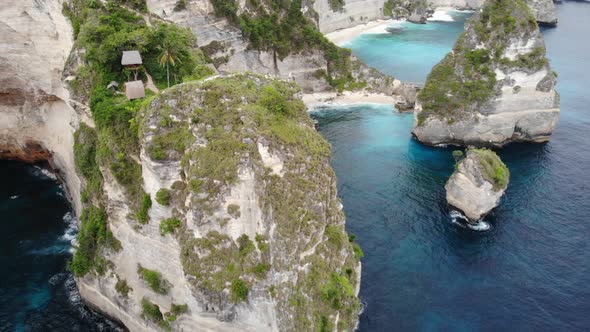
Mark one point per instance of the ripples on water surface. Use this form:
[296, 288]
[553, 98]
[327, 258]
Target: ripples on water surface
[531, 270]
[36, 291]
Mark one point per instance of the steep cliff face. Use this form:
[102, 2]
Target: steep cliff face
[36, 120]
[544, 11]
[241, 39]
[242, 229]
[495, 87]
[350, 13]
[226, 43]
[478, 183]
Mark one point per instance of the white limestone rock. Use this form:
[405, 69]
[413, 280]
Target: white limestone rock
[470, 188]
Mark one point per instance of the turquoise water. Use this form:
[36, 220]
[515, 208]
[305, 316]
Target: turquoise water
[422, 272]
[410, 50]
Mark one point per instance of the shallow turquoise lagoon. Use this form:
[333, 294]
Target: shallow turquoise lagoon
[408, 51]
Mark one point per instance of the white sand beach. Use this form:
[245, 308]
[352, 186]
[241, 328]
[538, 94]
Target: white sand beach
[312, 100]
[343, 36]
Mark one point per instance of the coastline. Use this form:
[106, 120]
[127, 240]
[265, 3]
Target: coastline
[379, 26]
[312, 100]
[343, 36]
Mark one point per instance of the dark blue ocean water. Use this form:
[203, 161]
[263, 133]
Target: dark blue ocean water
[421, 272]
[37, 229]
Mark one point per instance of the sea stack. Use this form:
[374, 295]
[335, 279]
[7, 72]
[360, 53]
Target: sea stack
[478, 183]
[494, 87]
[544, 11]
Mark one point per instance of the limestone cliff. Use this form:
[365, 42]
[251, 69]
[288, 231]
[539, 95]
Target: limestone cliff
[350, 13]
[215, 208]
[241, 40]
[36, 120]
[495, 87]
[243, 230]
[478, 183]
[543, 10]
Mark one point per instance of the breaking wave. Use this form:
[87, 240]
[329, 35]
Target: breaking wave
[40, 171]
[441, 16]
[457, 218]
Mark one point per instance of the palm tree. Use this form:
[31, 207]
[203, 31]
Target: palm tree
[168, 57]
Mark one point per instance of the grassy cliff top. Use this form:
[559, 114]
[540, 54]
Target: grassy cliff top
[214, 128]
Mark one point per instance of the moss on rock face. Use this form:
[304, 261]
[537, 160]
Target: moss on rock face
[94, 236]
[228, 118]
[465, 80]
[154, 280]
[151, 311]
[494, 170]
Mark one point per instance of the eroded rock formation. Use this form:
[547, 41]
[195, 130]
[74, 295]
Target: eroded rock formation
[355, 12]
[250, 231]
[478, 183]
[495, 87]
[232, 51]
[36, 121]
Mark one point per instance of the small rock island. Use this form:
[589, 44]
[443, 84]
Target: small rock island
[478, 183]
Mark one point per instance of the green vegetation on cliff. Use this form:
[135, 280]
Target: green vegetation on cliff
[154, 280]
[494, 170]
[169, 225]
[123, 288]
[93, 236]
[85, 145]
[163, 197]
[390, 6]
[465, 79]
[228, 117]
[337, 5]
[175, 311]
[282, 28]
[214, 129]
[151, 311]
[104, 31]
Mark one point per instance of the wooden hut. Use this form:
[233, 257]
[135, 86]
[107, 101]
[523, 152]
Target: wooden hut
[134, 90]
[131, 60]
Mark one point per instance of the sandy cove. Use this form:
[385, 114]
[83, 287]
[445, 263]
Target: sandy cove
[343, 36]
[312, 100]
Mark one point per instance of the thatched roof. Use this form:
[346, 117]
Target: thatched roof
[131, 58]
[134, 90]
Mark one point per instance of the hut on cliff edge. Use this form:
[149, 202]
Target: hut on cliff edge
[131, 60]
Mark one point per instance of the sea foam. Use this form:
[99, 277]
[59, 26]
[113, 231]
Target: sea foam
[441, 16]
[457, 218]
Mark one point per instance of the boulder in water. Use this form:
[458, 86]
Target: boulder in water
[478, 183]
